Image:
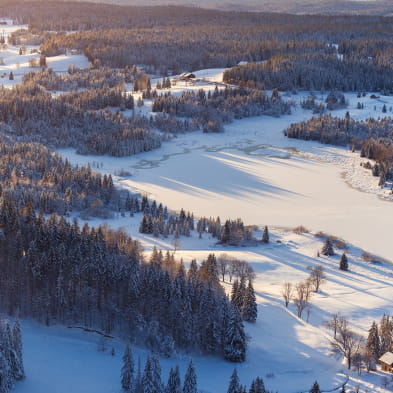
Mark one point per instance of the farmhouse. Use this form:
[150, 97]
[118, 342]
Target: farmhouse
[386, 361]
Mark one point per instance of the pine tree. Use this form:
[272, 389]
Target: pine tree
[315, 388]
[373, 346]
[174, 384]
[259, 385]
[190, 379]
[327, 248]
[343, 262]
[138, 386]
[17, 347]
[234, 383]
[127, 371]
[235, 339]
[249, 308]
[265, 235]
[11, 76]
[151, 379]
[385, 334]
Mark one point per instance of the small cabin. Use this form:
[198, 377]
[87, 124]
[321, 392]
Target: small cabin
[187, 76]
[386, 362]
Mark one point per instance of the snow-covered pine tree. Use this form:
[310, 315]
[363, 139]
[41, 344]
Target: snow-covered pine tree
[174, 384]
[327, 248]
[386, 334]
[138, 386]
[235, 338]
[257, 386]
[234, 383]
[249, 308]
[315, 388]
[265, 235]
[373, 345]
[235, 293]
[127, 371]
[16, 341]
[343, 262]
[190, 379]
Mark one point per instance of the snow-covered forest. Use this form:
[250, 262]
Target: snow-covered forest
[179, 200]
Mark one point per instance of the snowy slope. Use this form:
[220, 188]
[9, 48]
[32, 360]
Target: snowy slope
[288, 352]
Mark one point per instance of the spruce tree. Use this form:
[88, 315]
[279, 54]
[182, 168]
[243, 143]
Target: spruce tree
[343, 262]
[190, 380]
[17, 347]
[127, 371]
[327, 248]
[259, 385]
[174, 384]
[315, 388]
[235, 338]
[11, 76]
[234, 383]
[265, 235]
[373, 346]
[249, 308]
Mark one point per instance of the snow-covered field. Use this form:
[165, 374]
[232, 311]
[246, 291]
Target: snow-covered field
[251, 171]
[287, 352]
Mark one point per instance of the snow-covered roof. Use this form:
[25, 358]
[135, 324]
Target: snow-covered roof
[387, 358]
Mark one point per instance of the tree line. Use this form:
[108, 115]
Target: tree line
[315, 71]
[55, 271]
[373, 137]
[210, 110]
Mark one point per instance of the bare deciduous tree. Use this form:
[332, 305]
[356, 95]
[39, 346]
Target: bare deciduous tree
[302, 296]
[287, 292]
[347, 342]
[317, 276]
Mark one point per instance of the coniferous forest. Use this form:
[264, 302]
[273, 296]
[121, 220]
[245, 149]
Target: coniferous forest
[56, 270]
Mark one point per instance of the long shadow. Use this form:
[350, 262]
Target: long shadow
[235, 177]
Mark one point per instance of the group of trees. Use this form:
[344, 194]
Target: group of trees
[300, 293]
[374, 138]
[88, 78]
[243, 297]
[55, 271]
[150, 380]
[360, 353]
[314, 71]
[181, 38]
[30, 174]
[157, 221]
[210, 110]
[257, 385]
[379, 341]
[232, 232]
[11, 355]
[31, 114]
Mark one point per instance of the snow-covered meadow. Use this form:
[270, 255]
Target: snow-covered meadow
[254, 172]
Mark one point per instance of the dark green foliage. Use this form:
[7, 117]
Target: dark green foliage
[234, 383]
[315, 388]
[343, 262]
[373, 137]
[265, 235]
[127, 371]
[235, 340]
[11, 358]
[327, 248]
[190, 379]
[249, 308]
